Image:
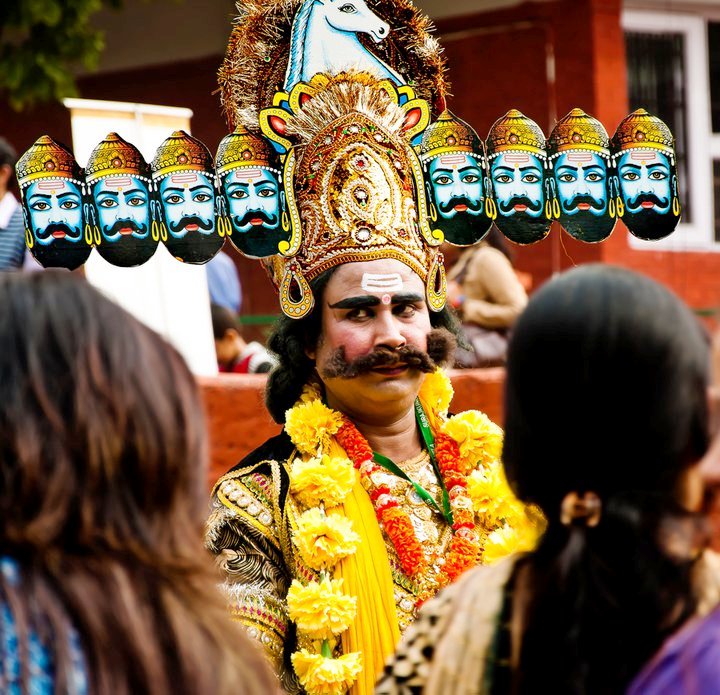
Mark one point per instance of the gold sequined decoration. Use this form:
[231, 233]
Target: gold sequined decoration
[115, 157]
[515, 131]
[47, 159]
[578, 131]
[181, 152]
[641, 130]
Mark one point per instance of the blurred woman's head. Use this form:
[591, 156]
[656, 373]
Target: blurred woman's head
[606, 383]
[102, 500]
[605, 402]
[102, 438]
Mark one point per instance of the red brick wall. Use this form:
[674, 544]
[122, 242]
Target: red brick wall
[239, 423]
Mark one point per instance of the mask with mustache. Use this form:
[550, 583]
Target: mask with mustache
[125, 224]
[571, 205]
[507, 208]
[207, 225]
[69, 234]
[635, 205]
[268, 220]
[462, 200]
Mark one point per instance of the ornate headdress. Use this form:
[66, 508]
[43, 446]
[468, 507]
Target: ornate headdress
[449, 135]
[181, 152]
[115, 157]
[641, 130]
[47, 159]
[576, 132]
[353, 184]
[515, 131]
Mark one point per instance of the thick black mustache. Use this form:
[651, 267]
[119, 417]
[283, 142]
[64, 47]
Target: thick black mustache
[447, 207]
[572, 204]
[121, 224]
[521, 200]
[441, 344]
[185, 221]
[269, 220]
[48, 231]
[646, 198]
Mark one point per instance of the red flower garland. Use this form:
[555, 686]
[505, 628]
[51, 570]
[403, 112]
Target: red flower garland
[464, 549]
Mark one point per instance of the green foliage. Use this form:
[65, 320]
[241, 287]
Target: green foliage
[42, 43]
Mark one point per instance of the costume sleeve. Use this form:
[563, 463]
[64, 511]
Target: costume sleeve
[501, 297]
[242, 532]
[447, 650]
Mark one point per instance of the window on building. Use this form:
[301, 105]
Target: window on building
[656, 82]
[673, 64]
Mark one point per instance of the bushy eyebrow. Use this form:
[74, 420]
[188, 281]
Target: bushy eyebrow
[369, 300]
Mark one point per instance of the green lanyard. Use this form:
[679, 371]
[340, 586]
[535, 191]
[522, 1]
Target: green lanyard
[391, 466]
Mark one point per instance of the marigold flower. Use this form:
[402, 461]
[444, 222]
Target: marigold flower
[322, 479]
[324, 539]
[479, 438]
[402, 535]
[437, 392]
[509, 539]
[320, 609]
[320, 675]
[311, 424]
[490, 492]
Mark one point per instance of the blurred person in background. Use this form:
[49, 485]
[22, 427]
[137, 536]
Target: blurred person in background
[606, 421]
[234, 353]
[12, 227]
[488, 296]
[224, 282]
[104, 583]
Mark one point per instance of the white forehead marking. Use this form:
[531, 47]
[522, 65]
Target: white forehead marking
[643, 155]
[51, 185]
[118, 181]
[451, 159]
[185, 177]
[580, 157]
[243, 174]
[382, 282]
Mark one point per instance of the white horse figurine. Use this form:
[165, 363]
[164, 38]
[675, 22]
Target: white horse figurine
[324, 40]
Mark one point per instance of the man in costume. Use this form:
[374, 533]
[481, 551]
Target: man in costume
[331, 534]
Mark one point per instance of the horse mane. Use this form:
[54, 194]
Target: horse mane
[297, 43]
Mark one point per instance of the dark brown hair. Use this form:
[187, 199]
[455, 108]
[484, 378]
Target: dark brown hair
[606, 393]
[102, 500]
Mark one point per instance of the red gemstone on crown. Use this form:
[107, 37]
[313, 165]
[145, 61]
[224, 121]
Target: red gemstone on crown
[117, 162]
[49, 165]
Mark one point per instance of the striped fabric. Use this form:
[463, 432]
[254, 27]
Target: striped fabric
[12, 234]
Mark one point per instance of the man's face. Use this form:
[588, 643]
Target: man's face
[253, 198]
[369, 305]
[457, 185]
[645, 181]
[581, 179]
[123, 207]
[188, 200]
[54, 209]
[518, 182]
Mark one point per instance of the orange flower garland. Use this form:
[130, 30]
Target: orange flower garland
[464, 550]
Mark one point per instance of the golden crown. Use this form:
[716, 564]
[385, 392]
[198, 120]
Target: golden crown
[578, 131]
[241, 148]
[641, 130]
[115, 157]
[354, 189]
[515, 131]
[47, 159]
[449, 134]
[181, 152]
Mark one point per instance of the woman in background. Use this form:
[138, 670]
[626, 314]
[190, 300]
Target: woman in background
[484, 289]
[105, 586]
[606, 419]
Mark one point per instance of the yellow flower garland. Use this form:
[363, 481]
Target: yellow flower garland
[320, 482]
